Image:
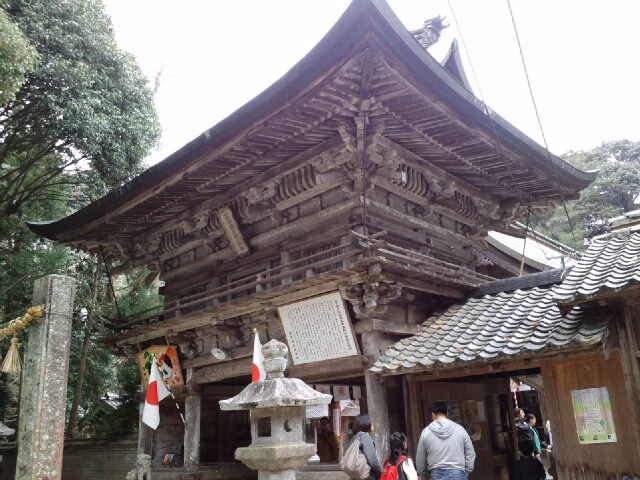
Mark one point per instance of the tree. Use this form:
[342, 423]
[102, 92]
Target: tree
[76, 119]
[17, 58]
[614, 192]
[83, 116]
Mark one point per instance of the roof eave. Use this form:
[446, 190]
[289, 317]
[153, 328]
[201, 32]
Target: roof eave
[359, 18]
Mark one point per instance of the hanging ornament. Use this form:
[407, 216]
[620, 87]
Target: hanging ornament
[12, 362]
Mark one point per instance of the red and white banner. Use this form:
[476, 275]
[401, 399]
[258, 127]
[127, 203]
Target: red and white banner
[156, 391]
[257, 368]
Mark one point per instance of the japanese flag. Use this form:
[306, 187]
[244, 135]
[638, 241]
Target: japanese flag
[257, 369]
[156, 391]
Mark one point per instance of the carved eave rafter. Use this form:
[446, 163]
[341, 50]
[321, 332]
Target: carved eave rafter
[416, 145]
[216, 231]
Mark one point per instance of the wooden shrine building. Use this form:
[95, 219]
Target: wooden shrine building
[368, 171]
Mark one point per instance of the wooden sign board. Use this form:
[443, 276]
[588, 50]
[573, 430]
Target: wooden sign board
[318, 329]
[168, 364]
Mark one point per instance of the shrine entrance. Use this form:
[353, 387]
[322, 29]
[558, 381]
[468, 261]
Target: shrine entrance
[485, 406]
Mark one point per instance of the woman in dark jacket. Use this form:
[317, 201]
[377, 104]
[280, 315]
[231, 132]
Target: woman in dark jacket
[362, 426]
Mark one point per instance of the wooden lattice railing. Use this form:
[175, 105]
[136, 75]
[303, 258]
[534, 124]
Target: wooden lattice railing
[355, 247]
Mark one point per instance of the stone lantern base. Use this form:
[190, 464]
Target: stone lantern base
[276, 462]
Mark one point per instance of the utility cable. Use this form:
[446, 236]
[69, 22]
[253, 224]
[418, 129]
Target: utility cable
[535, 107]
[524, 246]
[113, 292]
[486, 110]
[493, 127]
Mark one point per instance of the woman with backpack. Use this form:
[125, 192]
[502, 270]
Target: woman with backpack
[360, 461]
[399, 465]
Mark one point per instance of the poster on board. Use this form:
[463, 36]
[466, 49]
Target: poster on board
[318, 329]
[168, 364]
[594, 419]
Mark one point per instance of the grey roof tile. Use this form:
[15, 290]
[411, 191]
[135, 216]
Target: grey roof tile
[611, 262]
[505, 324]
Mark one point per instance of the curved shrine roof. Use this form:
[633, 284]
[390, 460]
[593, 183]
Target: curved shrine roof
[367, 56]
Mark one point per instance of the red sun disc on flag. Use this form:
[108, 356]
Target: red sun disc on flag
[152, 394]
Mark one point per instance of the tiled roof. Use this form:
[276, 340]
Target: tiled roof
[508, 324]
[611, 262]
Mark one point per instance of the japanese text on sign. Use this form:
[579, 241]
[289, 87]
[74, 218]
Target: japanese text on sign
[318, 329]
[594, 419]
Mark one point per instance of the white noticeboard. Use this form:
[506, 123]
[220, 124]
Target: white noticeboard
[594, 418]
[318, 329]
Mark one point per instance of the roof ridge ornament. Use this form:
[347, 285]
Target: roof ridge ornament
[429, 33]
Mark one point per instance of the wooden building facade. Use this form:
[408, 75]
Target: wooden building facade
[369, 169]
[569, 333]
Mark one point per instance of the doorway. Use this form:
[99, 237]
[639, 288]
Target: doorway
[485, 406]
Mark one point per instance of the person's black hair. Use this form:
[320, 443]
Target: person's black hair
[396, 446]
[529, 417]
[439, 408]
[323, 419]
[526, 448]
[362, 423]
[517, 411]
[519, 420]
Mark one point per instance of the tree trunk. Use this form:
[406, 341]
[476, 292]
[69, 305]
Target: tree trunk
[73, 416]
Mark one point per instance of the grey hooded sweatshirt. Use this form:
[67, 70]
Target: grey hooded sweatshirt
[445, 444]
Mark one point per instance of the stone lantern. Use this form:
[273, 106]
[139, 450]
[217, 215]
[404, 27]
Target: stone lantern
[277, 407]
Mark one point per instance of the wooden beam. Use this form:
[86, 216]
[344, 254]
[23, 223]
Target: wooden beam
[393, 214]
[303, 225]
[199, 264]
[334, 369]
[431, 169]
[333, 179]
[232, 309]
[221, 371]
[232, 231]
[502, 364]
[223, 198]
[203, 361]
[385, 326]
[427, 287]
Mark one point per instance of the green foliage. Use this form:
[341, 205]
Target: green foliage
[84, 114]
[104, 372]
[5, 396]
[614, 192]
[123, 420]
[17, 58]
[76, 119]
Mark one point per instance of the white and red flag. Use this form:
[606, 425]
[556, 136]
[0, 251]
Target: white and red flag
[156, 391]
[257, 368]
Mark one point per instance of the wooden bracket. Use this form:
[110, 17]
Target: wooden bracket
[232, 231]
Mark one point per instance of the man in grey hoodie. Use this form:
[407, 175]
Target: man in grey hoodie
[445, 448]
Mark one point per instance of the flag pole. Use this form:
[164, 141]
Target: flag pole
[172, 396]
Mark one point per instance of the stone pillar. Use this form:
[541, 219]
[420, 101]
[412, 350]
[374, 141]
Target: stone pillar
[376, 397]
[192, 418]
[44, 382]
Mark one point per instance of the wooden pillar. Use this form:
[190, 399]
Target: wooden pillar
[630, 363]
[43, 393]
[285, 260]
[192, 418]
[145, 433]
[376, 397]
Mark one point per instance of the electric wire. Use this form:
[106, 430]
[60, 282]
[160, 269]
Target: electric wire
[113, 292]
[524, 245]
[535, 107]
[493, 127]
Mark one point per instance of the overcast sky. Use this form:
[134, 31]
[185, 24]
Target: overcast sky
[217, 55]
